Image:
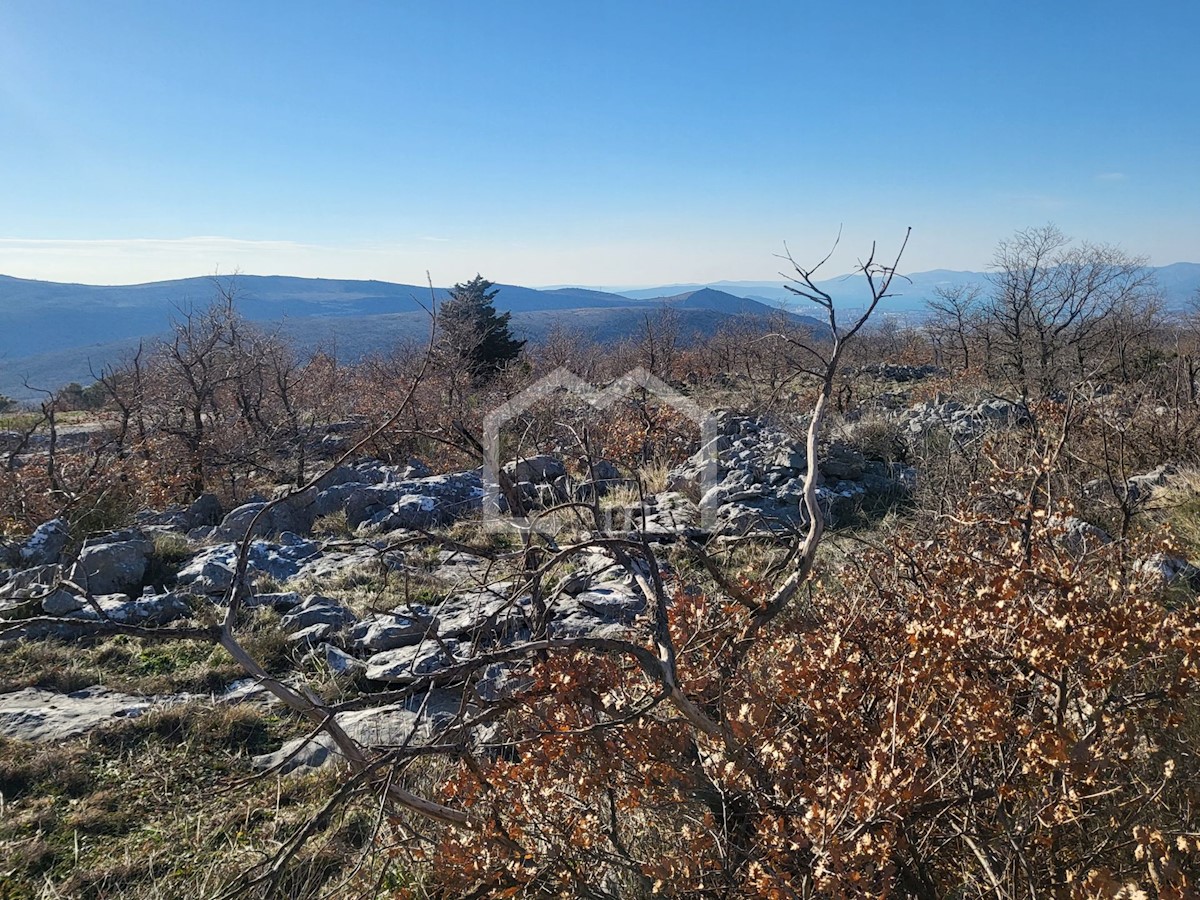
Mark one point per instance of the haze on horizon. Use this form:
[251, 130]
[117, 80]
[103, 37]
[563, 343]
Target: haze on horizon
[613, 144]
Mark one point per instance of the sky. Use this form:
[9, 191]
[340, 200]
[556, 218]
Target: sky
[609, 144]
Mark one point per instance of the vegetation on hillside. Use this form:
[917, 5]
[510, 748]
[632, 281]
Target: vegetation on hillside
[990, 690]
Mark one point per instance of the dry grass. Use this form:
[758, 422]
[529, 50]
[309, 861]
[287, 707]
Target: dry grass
[653, 476]
[1177, 504]
[148, 807]
[126, 664]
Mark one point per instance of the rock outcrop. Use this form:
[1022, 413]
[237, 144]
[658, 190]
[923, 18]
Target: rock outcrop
[751, 480]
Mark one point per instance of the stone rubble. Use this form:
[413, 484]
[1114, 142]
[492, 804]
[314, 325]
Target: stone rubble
[749, 481]
[961, 420]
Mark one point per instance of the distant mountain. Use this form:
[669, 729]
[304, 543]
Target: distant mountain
[38, 316]
[52, 334]
[1178, 282]
[719, 301]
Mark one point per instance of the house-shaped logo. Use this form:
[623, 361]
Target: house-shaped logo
[564, 380]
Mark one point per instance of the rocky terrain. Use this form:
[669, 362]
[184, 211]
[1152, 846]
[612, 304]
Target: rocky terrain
[381, 581]
[747, 482]
[55, 585]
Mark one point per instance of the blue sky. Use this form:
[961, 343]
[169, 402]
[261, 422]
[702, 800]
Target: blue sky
[610, 143]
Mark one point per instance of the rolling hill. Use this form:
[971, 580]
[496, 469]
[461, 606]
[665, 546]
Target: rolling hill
[1178, 282]
[52, 333]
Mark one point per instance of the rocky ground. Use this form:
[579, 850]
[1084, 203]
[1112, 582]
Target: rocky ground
[372, 602]
[377, 601]
[379, 578]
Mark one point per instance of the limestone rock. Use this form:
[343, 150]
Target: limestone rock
[339, 661]
[316, 610]
[46, 544]
[35, 714]
[541, 469]
[211, 570]
[407, 664]
[113, 566]
[416, 723]
[388, 632]
[62, 602]
[156, 609]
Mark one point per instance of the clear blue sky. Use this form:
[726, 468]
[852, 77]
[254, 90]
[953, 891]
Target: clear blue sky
[603, 143]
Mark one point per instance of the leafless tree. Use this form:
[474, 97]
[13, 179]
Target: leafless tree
[708, 729]
[956, 317]
[1051, 301]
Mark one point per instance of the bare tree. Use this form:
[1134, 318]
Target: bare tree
[1051, 301]
[956, 317]
[709, 733]
[824, 366]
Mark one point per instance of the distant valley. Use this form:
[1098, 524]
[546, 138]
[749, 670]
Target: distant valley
[52, 333]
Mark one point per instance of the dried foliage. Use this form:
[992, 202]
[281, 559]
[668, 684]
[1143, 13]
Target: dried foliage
[976, 703]
[978, 711]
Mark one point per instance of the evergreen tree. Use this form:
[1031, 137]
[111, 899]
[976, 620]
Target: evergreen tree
[473, 332]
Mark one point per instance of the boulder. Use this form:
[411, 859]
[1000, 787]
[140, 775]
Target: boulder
[113, 566]
[46, 544]
[408, 664]
[420, 503]
[666, 517]
[157, 609]
[30, 582]
[410, 511]
[415, 724]
[389, 632]
[499, 681]
[1168, 570]
[338, 475]
[316, 610]
[204, 510]
[1078, 537]
[415, 469]
[474, 614]
[171, 519]
[62, 602]
[603, 610]
[333, 499]
[211, 570]
[962, 421]
[362, 562]
[541, 469]
[338, 661]
[312, 635]
[612, 602]
[605, 470]
[793, 458]
[1140, 487]
[294, 515]
[755, 485]
[365, 502]
[842, 464]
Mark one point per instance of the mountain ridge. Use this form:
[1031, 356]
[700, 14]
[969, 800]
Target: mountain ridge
[52, 333]
[1179, 281]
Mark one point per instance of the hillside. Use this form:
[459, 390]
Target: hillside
[1178, 282]
[52, 333]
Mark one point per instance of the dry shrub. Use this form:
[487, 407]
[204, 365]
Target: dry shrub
[974, 711]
